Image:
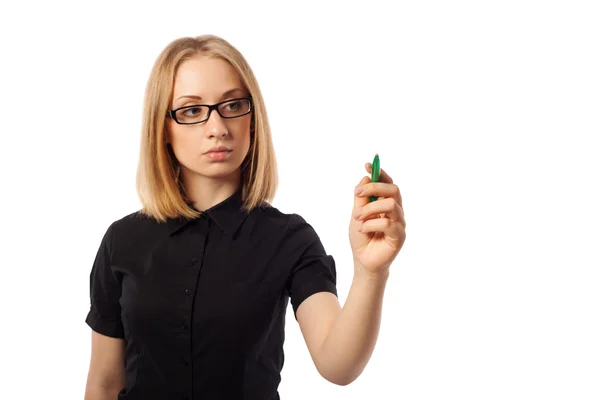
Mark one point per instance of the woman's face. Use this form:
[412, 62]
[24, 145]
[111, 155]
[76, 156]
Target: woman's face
[203, 80]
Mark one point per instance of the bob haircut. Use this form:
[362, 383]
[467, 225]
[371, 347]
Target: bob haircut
[158, 183]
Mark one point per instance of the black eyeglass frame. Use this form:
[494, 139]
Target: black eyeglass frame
[171, 113]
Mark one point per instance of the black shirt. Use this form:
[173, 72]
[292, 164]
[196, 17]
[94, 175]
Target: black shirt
[201, 303]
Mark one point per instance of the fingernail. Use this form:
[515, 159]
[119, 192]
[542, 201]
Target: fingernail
[359, 190]
[357, 214]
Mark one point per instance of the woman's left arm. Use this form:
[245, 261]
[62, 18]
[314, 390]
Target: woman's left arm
[341, 340]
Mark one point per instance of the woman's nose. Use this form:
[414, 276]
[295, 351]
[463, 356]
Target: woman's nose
[215, 126]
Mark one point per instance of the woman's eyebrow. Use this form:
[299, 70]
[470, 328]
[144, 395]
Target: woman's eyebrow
[226, 94]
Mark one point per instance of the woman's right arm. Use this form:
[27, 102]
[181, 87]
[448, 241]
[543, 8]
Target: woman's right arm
[106, 377]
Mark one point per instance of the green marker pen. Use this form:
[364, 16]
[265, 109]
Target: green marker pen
[375, 174]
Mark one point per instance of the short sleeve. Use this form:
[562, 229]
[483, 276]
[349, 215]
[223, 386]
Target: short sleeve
[105, 292]
[313, 270]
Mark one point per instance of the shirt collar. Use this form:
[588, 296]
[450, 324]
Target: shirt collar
[228, 215]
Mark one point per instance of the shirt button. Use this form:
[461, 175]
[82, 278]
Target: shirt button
[188, 292]
[194, 261]
[184, 326]
[186, 398]
[186, 363]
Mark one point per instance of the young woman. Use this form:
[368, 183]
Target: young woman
[189, 294]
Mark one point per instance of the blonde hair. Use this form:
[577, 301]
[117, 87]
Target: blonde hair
[158, 184]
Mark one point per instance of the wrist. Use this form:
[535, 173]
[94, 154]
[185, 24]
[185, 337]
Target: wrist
[363, 274]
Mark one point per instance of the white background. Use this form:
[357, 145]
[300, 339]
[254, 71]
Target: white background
[486, 114]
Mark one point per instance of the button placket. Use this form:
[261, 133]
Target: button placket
[189, 289]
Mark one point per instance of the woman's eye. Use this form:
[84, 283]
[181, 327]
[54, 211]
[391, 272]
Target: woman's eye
[191, 112]
[233, 106]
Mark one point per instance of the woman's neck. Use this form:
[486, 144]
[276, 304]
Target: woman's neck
[205, 192]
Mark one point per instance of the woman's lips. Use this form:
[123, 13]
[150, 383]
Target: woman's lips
[218, 155]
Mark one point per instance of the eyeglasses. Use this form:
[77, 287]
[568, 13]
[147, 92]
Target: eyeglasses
[201, 112]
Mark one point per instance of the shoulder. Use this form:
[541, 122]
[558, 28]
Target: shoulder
[288, 224]
[133, 228]
[273, 217]
[133, 223]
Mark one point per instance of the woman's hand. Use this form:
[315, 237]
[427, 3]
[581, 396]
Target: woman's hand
[377, 229]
